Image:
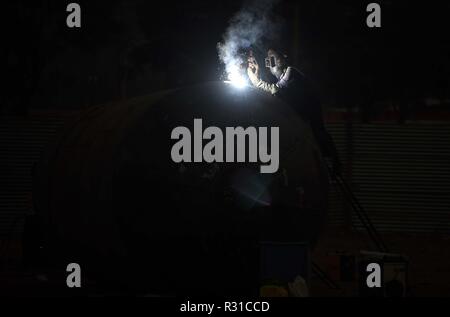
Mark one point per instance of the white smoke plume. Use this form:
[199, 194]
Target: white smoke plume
[247, 28]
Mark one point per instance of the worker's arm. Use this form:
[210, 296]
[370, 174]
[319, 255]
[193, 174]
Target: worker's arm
[265, 86]
[261, 84]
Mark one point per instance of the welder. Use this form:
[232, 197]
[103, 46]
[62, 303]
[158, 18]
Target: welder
[292, 86]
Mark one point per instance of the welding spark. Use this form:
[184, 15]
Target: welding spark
[236, 77]
[254, 22]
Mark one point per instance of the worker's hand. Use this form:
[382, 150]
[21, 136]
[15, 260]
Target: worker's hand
[253, 70]
[253, 66]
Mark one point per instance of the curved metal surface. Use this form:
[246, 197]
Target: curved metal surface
[109, 189]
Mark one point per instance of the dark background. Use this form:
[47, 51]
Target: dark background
[386, 94]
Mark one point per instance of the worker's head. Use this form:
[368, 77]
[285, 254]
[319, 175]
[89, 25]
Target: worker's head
[276, 62]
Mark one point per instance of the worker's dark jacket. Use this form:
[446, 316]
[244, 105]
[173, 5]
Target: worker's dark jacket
[294, 89]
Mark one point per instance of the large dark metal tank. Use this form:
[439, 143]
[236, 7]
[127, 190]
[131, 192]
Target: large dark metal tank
[113, 200]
